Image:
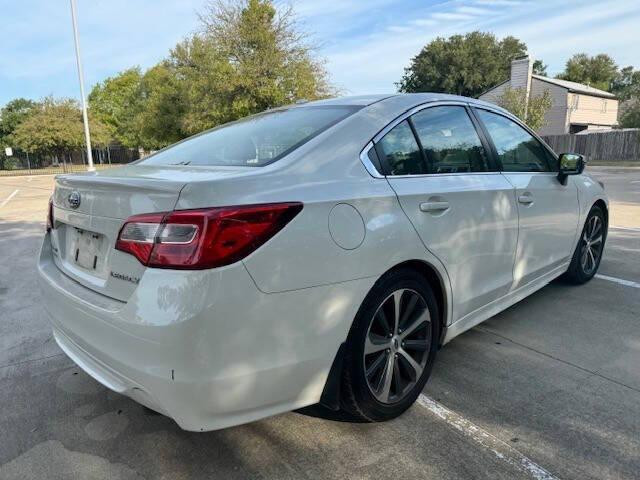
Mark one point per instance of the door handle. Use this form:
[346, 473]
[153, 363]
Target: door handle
[525, 199]
[434, 206]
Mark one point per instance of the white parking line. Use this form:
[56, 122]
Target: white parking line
[6, 200]
[500, 449]
[626, 283]
[630, 229]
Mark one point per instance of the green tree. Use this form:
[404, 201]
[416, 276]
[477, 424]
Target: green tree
[162, 107]
[12, 115]
[248, 57]
[115, 102]
[56, 128]
[208, 82]
[626, 85]
[599, 71]
[531, 111]
[462, 64]
[630, 113]
[539, 68]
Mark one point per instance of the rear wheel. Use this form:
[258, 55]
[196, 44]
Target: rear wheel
[588, 254]
[391, 347]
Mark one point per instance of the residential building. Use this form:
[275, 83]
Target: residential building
[575, 107]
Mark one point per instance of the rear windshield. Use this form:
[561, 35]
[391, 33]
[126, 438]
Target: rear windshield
[254, 141]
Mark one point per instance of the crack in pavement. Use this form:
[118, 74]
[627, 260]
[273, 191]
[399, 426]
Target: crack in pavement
[21, 362]
[548, 355]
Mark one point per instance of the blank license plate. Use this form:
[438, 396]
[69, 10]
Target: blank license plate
[88, 246]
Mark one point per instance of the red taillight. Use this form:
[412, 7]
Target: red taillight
[50, 216]
[204, 238]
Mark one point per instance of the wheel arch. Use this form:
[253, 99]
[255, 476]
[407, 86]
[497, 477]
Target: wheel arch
[435, 281]
[603, 205]
[330, 397]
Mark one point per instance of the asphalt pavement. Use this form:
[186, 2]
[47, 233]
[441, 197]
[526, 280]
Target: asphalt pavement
[548, 389]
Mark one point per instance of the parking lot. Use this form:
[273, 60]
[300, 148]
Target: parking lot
[548, 389]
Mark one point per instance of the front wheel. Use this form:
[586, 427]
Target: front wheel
[391, 347]
[588, 254]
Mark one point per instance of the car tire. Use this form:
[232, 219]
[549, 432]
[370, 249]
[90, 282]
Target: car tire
[367, 393]
[588, 253]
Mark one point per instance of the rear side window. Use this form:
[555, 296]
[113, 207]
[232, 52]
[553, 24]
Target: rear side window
[517, 149]
[400, 151]
[449, 140]
[254, 141]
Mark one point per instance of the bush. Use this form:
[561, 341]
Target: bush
[11, 163]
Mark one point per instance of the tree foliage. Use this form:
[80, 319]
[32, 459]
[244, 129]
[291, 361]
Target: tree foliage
[539, 68]
[159, 116]
[114, 102]
[599, 71]
[12, 115]
[626, 85]
[267, 59]
[56, 127]
[462, 64]
[630, 113]
[531, 111]
[247, 57]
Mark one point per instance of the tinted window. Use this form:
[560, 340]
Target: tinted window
[400, 151]
[449, 139]
[253, 141]
[517, 149]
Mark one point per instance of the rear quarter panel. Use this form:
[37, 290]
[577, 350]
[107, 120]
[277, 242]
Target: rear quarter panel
[323, 173]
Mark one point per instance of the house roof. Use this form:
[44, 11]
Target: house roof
[575, 87]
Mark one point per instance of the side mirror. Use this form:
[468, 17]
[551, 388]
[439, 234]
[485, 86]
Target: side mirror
[570, 164]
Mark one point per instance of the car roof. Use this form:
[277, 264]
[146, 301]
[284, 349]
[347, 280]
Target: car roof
[355, 100]
[409, 99]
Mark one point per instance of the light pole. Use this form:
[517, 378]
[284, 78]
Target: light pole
[85, 118]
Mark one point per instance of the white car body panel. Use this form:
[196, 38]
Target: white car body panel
[474, 236]
[219, 347]
[548, 225]
[184, 352]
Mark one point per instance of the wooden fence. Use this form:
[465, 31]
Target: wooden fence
[611, 146]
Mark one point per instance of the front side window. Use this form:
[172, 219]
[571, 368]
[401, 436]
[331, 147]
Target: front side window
[517, 149]
[254, 141]
[400, 151]
[449, 140]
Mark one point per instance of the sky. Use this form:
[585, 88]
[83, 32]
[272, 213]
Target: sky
[366, 44]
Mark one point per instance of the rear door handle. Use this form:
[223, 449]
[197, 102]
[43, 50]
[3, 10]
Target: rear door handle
[526, 199]
[434, 206]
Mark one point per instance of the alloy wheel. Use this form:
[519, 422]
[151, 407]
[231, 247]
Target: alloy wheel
[397, 345]
[592, 242]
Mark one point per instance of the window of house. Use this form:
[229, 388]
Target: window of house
[575, 100]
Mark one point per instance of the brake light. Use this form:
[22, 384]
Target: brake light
[203, 238]
[50, 216]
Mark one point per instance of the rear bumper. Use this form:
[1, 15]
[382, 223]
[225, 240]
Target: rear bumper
[105, 374]
[206, 348]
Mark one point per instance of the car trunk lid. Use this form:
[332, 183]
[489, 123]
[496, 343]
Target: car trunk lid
[90, 209]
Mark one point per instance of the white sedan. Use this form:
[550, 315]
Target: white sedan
[317, 253]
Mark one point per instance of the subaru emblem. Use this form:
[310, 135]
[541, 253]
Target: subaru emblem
[74, 199]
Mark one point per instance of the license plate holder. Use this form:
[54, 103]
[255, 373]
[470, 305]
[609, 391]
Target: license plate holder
[87, 249]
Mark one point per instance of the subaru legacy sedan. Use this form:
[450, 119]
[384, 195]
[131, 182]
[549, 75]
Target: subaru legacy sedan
[319, 253]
